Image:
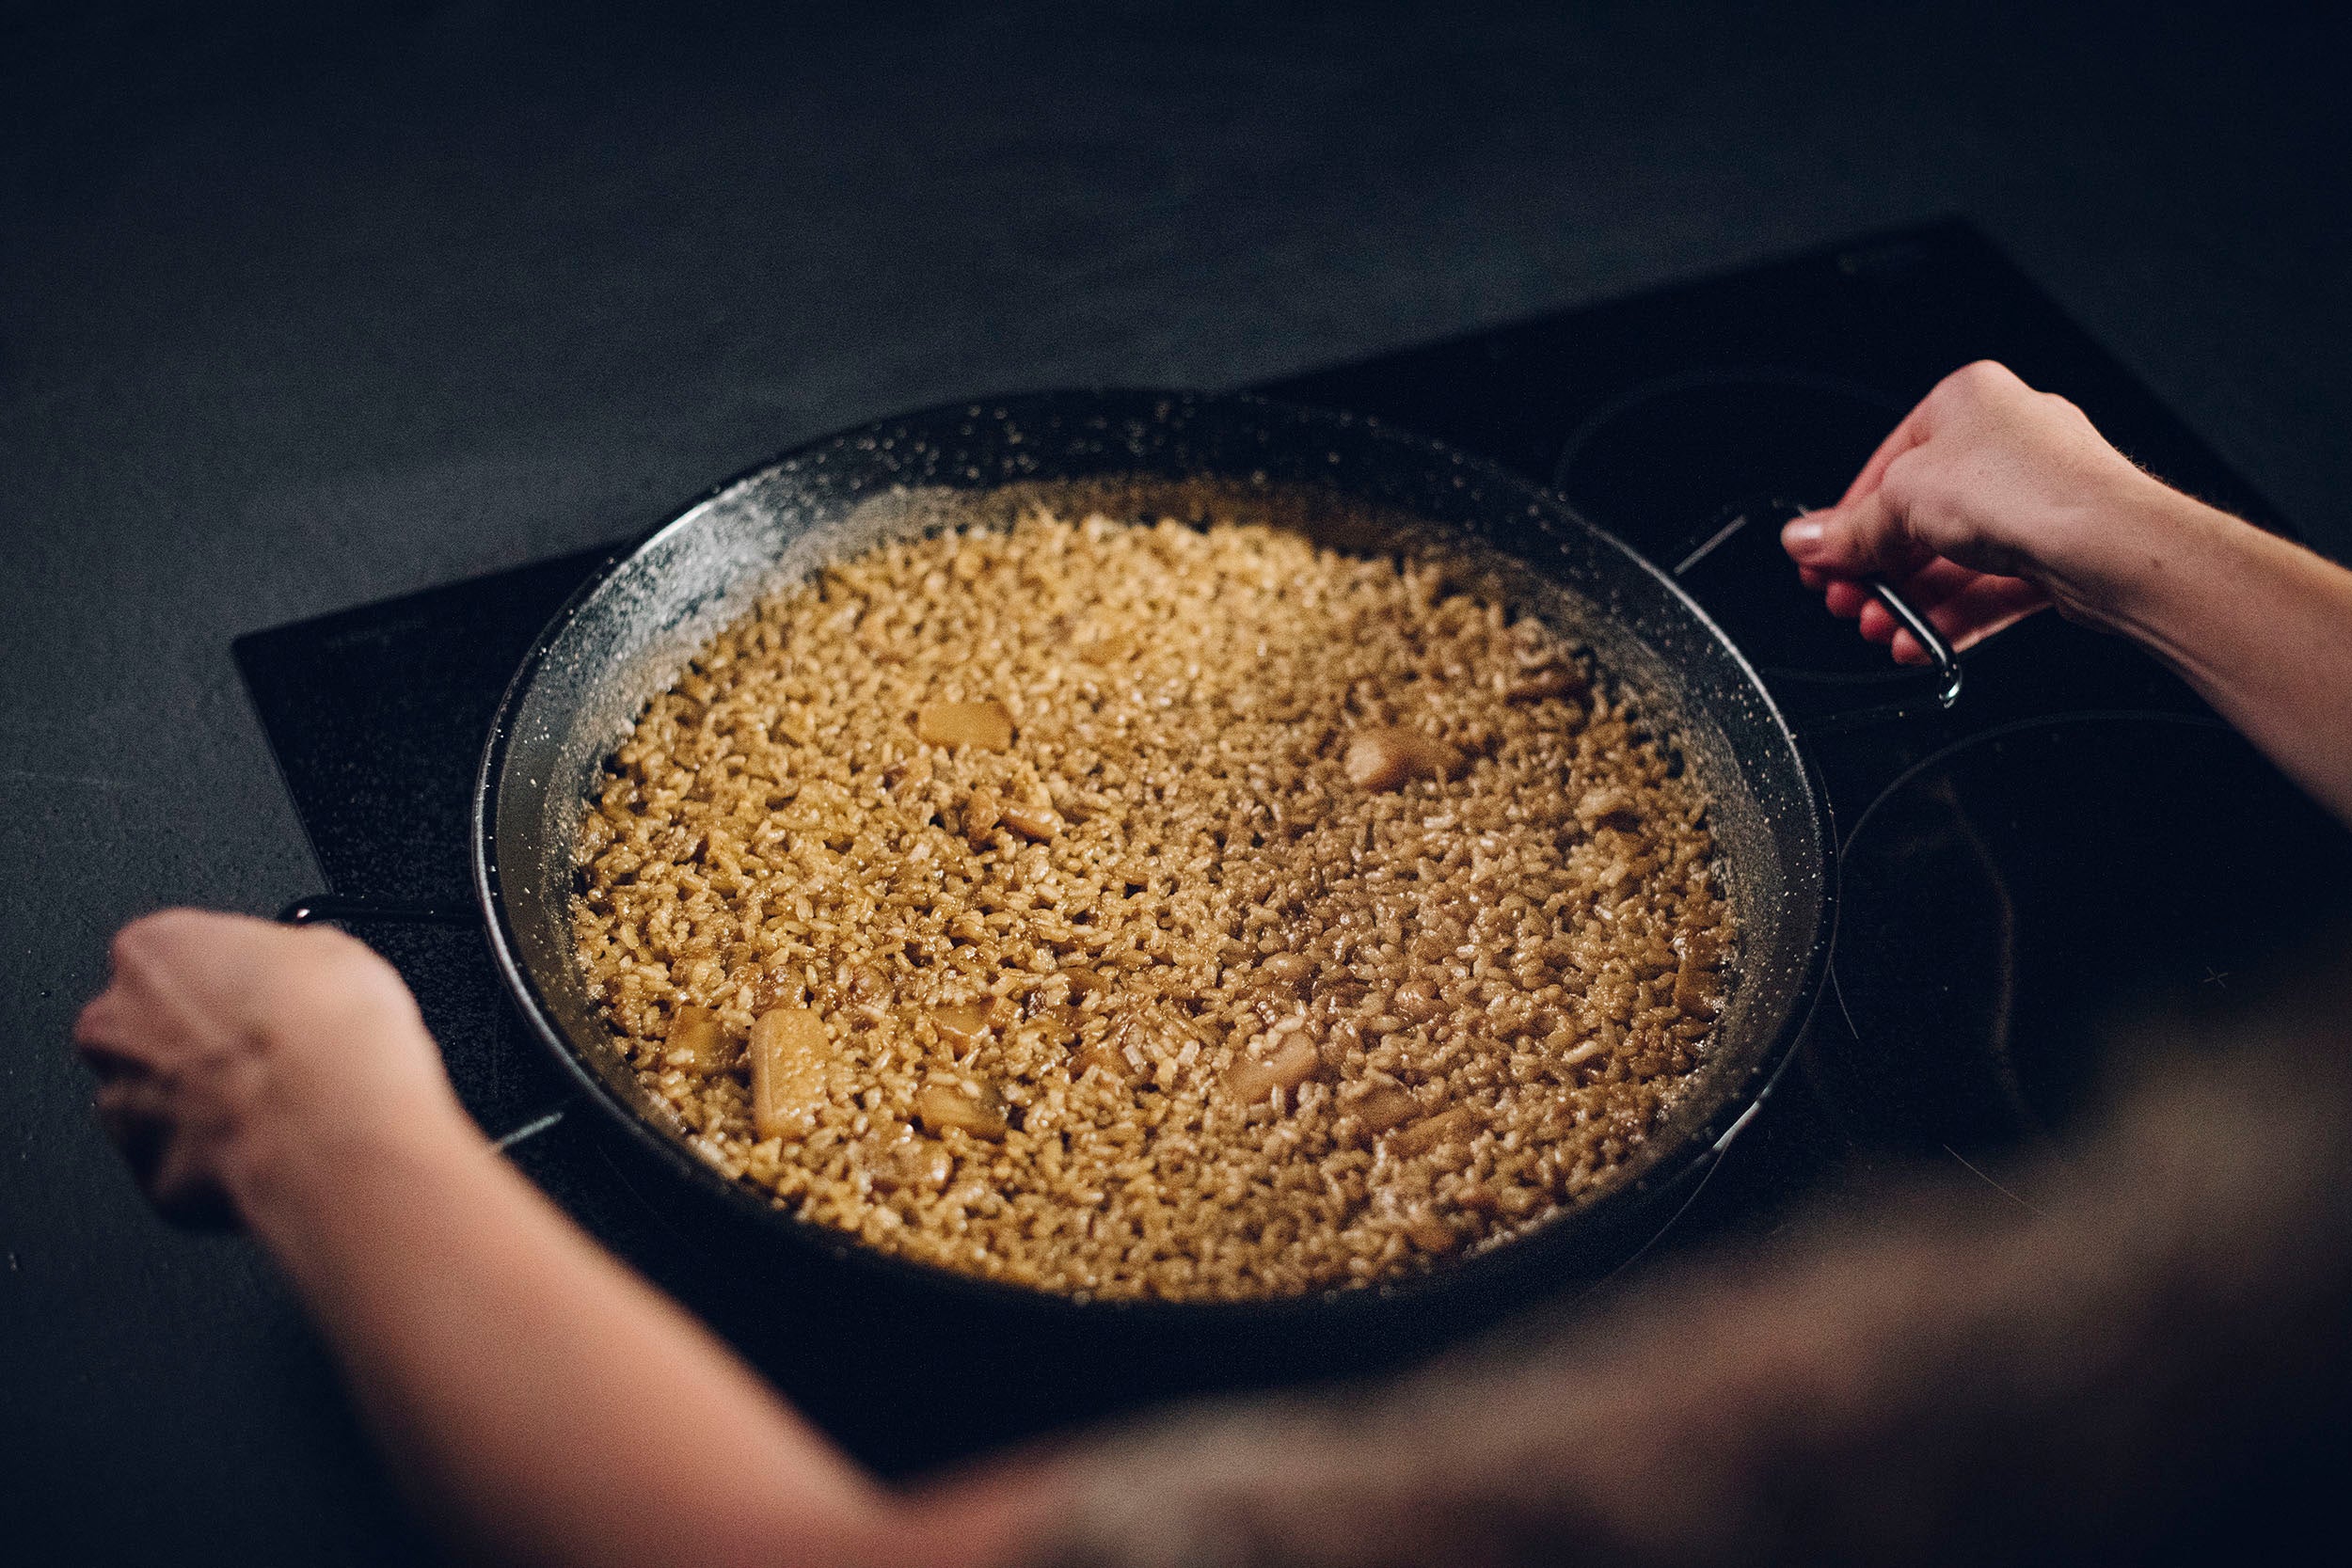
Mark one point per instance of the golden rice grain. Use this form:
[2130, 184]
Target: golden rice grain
[1149, 910]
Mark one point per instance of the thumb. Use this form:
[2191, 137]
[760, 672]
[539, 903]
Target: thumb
[1859, 538]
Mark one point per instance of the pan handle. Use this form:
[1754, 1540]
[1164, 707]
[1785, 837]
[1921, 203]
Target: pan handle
[1940, 653]
[1946, 672]
[321, 908]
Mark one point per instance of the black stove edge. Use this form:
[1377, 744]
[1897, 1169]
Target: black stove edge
[333, 626]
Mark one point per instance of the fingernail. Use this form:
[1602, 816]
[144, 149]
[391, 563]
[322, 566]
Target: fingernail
[1802, 536]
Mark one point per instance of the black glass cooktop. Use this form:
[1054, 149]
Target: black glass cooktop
[2049, 900]
[2000, 911]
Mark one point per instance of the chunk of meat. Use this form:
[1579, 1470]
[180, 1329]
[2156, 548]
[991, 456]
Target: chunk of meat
[982, 814]
[1286, 1064]
[776, 987]
[1289, 968]
[987, 724]
[962, 1024]
[1057, 1024]
[1458, 1124]
[1102, 1053]
[1091, 1054]
[1388, 757]
[791, 1062]
[1417, 1000]
[1382, 1107]
[940, 1106]
[697, 1044]
[1034, 823]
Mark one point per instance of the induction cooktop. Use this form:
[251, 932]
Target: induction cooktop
[2075, 838]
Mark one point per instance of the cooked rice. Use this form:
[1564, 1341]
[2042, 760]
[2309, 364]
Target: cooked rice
[1260, 797]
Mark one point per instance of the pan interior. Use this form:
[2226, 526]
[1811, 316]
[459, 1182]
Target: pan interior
[633, 634]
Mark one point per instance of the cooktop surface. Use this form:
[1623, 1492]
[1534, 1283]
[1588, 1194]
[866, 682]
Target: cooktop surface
[1998, 908]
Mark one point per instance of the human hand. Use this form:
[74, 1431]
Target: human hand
[224, 1044]
[1989, 502]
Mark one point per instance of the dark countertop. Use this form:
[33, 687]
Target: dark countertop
[295, 315]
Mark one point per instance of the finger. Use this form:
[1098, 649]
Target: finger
[1910, 432]
[1993, 624]
[136, 1114]
[132, 1111]
[98, 1019]
[1961, 604]
[173, 942]
[1846, 599]
[1967, 615]
[186, 1193]
[1813, 577]
[103, 1036]
[177, 964]
[1936, 582]
[1930, 584]
[1865, 538]
[1985, 606]
[131, 1097]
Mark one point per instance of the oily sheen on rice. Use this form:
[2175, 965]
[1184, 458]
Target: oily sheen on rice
[1143, 910]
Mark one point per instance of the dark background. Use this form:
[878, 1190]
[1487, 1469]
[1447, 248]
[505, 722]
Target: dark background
[300, 309]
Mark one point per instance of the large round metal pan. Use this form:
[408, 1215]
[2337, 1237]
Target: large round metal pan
[1346, 480]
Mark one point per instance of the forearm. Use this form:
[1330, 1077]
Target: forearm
[547, 1401]
[542, 1398]
[2261, 628]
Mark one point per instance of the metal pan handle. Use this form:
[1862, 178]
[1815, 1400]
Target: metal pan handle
[1946, 672]
[1940, 653]
[322, 908]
